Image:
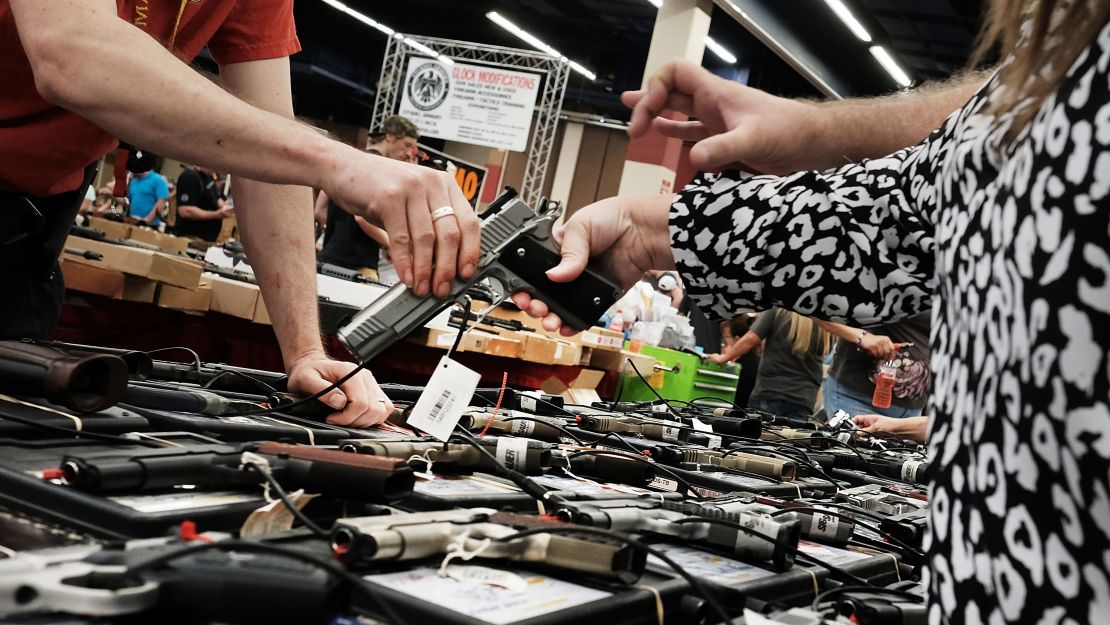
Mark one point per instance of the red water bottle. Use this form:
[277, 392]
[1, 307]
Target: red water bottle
[884, 385]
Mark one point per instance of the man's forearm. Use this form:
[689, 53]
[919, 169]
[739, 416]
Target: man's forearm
[857, 129]
[77, 47]
[196, 213]
[276, 226]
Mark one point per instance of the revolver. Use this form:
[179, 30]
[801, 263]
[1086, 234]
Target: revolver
[517, 248]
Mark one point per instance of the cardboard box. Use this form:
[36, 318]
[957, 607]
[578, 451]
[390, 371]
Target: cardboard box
[475, 341]
[545, 350]
[261, 315]
[195, 300]
[136, 289]
[581, 390]
[174, 270]
[232, 297]
[91, 276]
[443, 339]
[601, 338]
[165, 242]
[618, 361]
[111, 229]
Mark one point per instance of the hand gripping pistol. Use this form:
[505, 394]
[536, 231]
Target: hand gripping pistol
[517, 248]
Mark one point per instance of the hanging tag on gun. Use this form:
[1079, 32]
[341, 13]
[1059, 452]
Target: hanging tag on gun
[444, 399]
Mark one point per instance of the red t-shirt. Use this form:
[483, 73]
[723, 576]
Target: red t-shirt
[44, 149]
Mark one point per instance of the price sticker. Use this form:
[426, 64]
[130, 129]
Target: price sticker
[444, 399]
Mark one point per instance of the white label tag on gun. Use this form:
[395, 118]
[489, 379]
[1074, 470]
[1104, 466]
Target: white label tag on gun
[444, 399]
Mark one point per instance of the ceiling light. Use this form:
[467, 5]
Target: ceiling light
[412, 43]
[891, 66]
[720, 50]
[849, 20]
[533, 41]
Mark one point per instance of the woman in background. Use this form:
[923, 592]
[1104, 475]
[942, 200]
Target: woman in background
[790, 371]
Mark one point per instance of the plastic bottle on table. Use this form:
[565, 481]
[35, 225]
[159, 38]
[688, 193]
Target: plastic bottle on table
[884, 385]
[618, 322]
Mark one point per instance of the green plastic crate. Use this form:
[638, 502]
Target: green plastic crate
[693, 378]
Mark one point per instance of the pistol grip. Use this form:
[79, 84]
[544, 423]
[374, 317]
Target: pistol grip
[579, 303]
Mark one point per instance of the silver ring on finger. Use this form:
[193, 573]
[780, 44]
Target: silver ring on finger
[442, 211]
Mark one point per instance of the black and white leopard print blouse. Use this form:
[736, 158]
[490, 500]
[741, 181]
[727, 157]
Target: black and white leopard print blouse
[1012, 254]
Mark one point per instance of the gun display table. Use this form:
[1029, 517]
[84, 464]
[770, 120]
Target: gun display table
[97, 320]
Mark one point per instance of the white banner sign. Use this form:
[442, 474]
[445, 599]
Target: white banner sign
[470, 103]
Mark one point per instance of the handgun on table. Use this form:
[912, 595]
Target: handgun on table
[778, 468]
[528, 456]
[324, 471]
[415, 535]
[776, 542]
[517, 249]
[210, 586]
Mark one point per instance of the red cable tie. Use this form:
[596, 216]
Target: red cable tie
[52, 474]
[497, 406]
[187, 532]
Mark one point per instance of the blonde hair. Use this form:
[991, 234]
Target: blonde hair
[801, 334]
[1038, 41]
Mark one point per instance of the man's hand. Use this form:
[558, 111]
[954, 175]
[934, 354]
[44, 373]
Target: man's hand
[915, 428]
[226, 210]
[718, 358]
[625, 236]
[878, 346]
[736, 126]
[401, 197]
[359, 402]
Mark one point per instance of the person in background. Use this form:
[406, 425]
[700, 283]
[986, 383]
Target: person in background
[200, 207]
[914, 428]
[790, 371]
[850, 385]
[87, 203]
[732, 331]
[147, 192]
[351, 241]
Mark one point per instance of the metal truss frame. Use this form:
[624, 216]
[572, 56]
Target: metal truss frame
[553, 69]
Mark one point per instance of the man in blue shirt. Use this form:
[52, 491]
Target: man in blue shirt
[148, 190]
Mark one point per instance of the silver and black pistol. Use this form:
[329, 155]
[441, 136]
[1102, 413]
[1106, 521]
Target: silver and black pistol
[517, 250]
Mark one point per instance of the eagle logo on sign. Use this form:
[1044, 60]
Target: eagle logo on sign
[428, 86]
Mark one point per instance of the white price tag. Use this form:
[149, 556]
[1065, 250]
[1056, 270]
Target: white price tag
[909, 470]
[714, 442]
[512, 452]
[444, 399]
[671, 433]
[522, 427]
[701, 426]
[528, 402]
[825, 525]
[663, 483]
[751, 617]
[471, 574]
